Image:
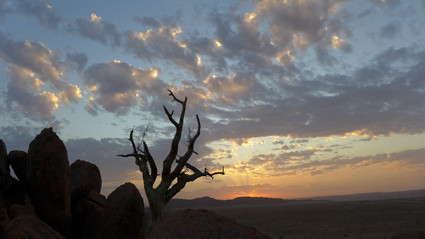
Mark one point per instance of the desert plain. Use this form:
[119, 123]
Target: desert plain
[305, 219]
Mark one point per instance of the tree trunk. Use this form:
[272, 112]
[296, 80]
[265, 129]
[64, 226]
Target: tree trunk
[157, 205]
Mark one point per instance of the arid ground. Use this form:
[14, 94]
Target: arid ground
[324, 219]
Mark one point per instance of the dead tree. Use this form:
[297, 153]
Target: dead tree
[174, 174]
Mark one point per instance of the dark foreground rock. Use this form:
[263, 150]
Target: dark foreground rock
[409, 235]
[86, 213]
[201, 224]
[29, 227]
[84, 178]
[123, 214]
[18, 160]
[48, 180]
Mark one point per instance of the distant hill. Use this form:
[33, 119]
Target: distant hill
[420, 193]
[207, 202]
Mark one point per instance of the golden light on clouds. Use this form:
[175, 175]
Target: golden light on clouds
[198, 60]
[95, 18]
[52, 99]
[300, 41]
[154, 73]
[250, 16]
[144, 35]
[92, 88]
[217, 43]
[285, 57]
[337, 42]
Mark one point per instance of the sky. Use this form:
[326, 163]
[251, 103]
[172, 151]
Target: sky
[296, 98]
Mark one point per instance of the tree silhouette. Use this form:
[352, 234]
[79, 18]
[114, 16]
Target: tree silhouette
[173, 180]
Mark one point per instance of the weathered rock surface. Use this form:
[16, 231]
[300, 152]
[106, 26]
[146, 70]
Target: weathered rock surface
[84, 178]
[18, 160]
[123, 214]
[48, 180]
[29, 227]
[86, 213]
[201, 224]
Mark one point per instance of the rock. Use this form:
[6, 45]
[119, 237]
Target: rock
[200, 224]
[86, 212]
[4, 165]
[84, 178]
[30, 227]
[26, 209]
[18, 160]
[14, 192]
[48, 180]
[409, 235]
[123, 214]
[4, 220]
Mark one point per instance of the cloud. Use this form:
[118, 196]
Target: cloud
[96, 29]
[20, 95]
[390, 30]
[301, 162]
[304, 22]
[118, 86]
[35, 85]
[45, 14]
[78, 59]
[164, 44]
[34, 56]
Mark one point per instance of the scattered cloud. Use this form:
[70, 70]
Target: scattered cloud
[117, 86]
[97, 29]
[301, 162]
[43, 12]
[164, 44]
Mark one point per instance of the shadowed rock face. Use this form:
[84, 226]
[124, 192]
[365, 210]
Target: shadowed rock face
[48, 180]
[84, 178]
[30, 227]
[4, 165]
[18, 160]
[202, 224]
[123, 214]
[86, 213]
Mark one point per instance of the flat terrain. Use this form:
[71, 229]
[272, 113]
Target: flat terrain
[324, 219]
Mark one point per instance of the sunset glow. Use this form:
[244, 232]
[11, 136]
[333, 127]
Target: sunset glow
[295, 98]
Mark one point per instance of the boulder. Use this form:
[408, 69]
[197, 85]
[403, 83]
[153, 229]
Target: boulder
[86, 212]
[48, 180]
[18, 160]
[84, 178]
[200, 224]
[123, 214]
[29, 227]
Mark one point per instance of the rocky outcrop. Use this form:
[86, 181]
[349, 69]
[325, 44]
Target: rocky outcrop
[18, 160]
[84, 178]
[29, 227]
[123, 214]
[48, 180]
[202, 224]
[86, 213]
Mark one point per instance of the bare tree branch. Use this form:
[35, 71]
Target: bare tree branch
[159, 197]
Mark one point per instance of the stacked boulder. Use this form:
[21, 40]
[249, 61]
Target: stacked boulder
[52, 199]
